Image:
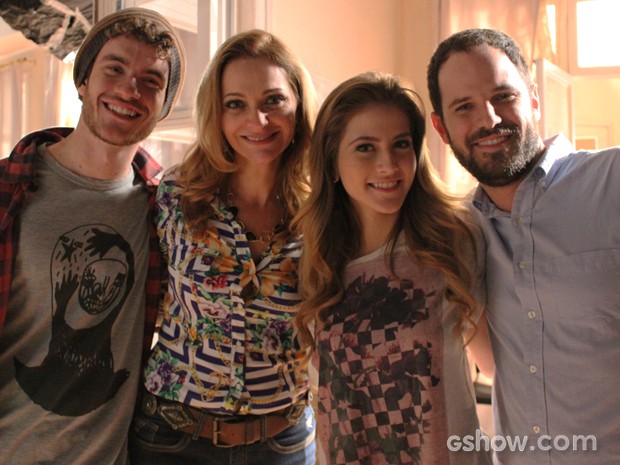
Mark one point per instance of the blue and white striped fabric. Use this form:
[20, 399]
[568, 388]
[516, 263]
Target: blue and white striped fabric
[221, 347]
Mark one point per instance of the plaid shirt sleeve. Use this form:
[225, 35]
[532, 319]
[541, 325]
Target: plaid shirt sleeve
[17, 181]
[148, 169]
[11, 194]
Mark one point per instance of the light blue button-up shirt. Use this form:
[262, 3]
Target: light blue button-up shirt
[553, 284]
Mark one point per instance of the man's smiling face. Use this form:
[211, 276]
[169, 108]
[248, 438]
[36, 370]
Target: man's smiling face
[125, 91]
[490, 115]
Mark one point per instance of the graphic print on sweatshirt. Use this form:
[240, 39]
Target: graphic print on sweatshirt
[92, 273]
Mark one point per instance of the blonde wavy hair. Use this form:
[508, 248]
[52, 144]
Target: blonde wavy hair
[209, 162]
[433, 221]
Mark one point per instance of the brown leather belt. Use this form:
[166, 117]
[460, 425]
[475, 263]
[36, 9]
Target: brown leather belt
[223, 430]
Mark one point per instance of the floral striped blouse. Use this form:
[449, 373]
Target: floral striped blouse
[220, 348]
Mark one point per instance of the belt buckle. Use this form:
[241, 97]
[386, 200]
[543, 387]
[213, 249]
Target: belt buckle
[295, 412]
[217, 431]
[175, 416]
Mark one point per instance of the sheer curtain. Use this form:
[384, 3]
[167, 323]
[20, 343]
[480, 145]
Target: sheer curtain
[518, 19]
[60, 95]
[32, 96]
[15, 79]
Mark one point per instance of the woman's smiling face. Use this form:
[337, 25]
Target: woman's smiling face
[377, 162]
[259, 108]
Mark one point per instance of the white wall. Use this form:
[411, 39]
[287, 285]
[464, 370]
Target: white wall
[598, 104]
[339, 39]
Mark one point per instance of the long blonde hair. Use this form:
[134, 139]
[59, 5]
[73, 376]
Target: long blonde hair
[430, 218]
[208, 162]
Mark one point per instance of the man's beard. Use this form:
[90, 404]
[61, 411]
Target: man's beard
[130, 138]
[505, 166]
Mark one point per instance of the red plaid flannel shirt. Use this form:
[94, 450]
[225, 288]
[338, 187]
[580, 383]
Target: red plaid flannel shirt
[18, 182]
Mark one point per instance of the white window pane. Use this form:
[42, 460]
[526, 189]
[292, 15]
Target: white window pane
[597, 37]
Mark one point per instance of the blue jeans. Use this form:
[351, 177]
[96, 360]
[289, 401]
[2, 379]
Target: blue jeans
[153, 442]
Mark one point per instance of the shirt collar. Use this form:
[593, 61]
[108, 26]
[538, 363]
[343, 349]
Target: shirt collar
[557, 148]
[146, 167]
[21, 164]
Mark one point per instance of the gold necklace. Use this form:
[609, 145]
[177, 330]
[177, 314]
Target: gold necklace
[264, 236]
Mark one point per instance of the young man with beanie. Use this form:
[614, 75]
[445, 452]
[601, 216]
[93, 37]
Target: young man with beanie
[551, 219]
[79, 262]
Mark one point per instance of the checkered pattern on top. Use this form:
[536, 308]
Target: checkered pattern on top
[380, 399]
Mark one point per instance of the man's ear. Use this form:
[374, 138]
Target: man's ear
[440, 127]
[535, 102]
[81, 90]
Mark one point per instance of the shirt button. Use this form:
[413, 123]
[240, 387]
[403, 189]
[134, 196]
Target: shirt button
[522, 265]
[531, 314]
[543, 184]
[536, 429]
[533, 369]
[520, 220]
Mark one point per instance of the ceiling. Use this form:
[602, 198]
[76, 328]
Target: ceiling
[5, 29]
[12, 42]
[182, 13]
[58, 25]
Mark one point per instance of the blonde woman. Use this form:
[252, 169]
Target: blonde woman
[226, 381]
[387, 274]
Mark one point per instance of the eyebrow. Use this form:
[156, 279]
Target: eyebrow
[125, 62]
[458, 101]
[372, 139]
[266, 92]
[362, 139]
[501, 88]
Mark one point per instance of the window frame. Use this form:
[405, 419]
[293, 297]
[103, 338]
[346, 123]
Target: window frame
[573, 63]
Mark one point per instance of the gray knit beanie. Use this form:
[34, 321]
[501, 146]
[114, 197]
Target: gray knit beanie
[96, 38]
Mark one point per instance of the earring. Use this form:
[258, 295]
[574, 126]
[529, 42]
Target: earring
[228, 151]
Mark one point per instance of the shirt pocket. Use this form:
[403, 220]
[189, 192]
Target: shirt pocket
[583, 285]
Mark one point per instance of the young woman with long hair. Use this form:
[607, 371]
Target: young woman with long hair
[388, 275]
